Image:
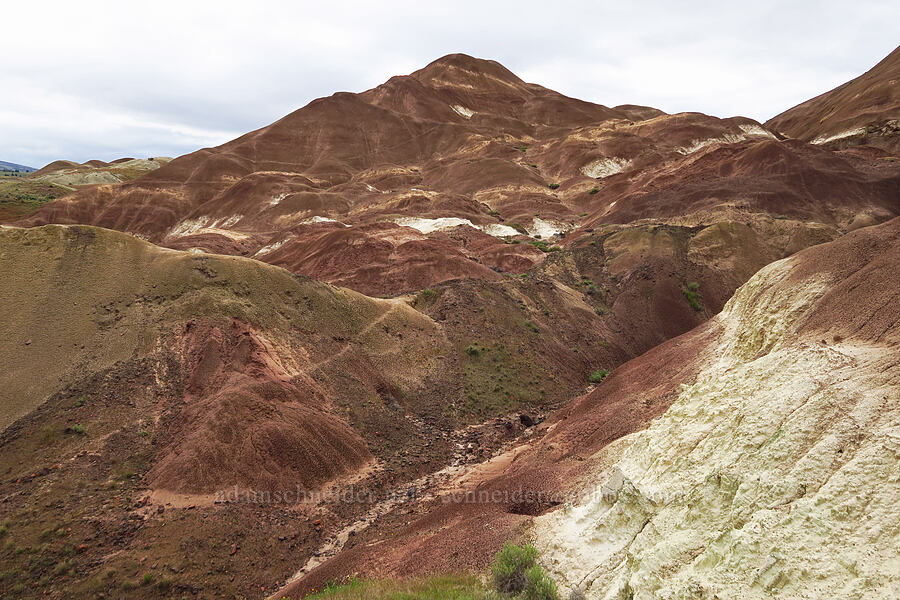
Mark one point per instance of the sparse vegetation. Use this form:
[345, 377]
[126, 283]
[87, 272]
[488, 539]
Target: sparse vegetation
[598, 375]
[522, 148]
[553, 186]
[544, 246]
[20, 196]
[473, 350]
[77, 428]
[515, 571]
[428, 294]
[692, 294]
[441, 587]
[531, 326]
[594, 191]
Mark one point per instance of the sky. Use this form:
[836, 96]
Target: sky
[97, 79]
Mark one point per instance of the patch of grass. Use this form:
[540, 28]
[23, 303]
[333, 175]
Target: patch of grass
[80, 400]
[439, 587]
[473, 350]
[521, 148]
[531, 326]
[147, 579]
[494, 213]
[518, 227]
[48, 434]
[553, 186]
[77, 428]
[692, 294]
[428, 294]
[20, 196]
[598, 375]
[594, 191]
[62, 568]
[544, 246]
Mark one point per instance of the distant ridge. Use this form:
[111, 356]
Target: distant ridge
[8, 166]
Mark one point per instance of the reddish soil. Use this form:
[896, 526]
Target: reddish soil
[465, 138]
[193, 373]
[449, 533]
[867, 107]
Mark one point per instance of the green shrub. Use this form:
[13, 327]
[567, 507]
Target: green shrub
[428, 294]
[510, 565]
[544, 246]
[515, 571]
[147, 579]
[77, 428]
[473, 350]
[539, 586]
[521, 148]
[598, 375]
[594, 191]
[554, 186]
[693, 296]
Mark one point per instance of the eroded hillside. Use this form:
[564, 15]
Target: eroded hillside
[410, 297]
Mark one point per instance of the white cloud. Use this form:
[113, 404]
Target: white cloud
[100, 79]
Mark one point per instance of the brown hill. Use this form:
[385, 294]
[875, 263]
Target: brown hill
[95, 172]
[363, 189]
[862, 112]
[828, 313]
[165, 404]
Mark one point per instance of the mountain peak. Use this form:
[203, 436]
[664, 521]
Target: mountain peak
[464, 70]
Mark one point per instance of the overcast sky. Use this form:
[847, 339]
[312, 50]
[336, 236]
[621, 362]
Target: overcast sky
[90, 79]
